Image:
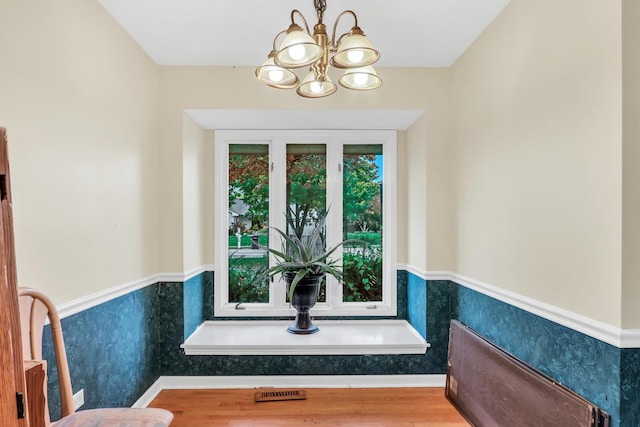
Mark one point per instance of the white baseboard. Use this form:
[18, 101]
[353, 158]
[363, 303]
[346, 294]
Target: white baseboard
[291, 381]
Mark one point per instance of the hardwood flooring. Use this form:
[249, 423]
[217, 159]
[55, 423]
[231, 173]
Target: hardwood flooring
[323, 407]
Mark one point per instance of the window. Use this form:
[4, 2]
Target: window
[263, 177]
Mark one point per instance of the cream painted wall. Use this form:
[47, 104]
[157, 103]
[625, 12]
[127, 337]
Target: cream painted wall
[113, 183]
[197, 190]
[434, 153]
[79, 100]
[539, 156]
[415, 209]
[426, 201]
[184, 88]
[630, 164]
[402, 198]
[104, 166]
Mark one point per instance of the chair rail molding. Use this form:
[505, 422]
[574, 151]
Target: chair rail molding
[621, 338]
[92, 300]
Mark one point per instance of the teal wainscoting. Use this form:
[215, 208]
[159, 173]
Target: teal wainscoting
[111, 350]
[172, 361]
[119, 348]
[198, 301]
[417, 310]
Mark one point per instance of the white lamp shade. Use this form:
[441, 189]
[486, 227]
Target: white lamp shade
[363, 78]
[354, 51]
[272, 75]
[298, 49]
[314, 88]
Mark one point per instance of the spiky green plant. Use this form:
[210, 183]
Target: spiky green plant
[305, 258]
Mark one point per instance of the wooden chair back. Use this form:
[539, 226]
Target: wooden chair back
[35, 309]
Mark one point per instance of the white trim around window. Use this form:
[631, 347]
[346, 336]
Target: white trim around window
[334, 140]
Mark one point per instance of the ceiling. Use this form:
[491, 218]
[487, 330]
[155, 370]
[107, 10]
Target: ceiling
[408, 33]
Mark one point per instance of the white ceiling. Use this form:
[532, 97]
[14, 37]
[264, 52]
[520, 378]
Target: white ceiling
[408, 33]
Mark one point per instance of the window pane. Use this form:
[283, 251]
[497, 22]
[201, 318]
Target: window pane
[362, 210]
[306, 191]
[248, 215]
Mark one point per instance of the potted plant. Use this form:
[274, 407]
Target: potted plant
[303, 262]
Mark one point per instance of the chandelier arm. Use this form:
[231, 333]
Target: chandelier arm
[275, 39]
[306, 26]
[334, 42]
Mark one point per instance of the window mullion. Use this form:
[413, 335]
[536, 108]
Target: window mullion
[221, 151]
[277, 208]
[334, 219]
[389, 216]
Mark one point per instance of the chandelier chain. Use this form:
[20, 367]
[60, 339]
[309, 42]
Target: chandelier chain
[321, 6]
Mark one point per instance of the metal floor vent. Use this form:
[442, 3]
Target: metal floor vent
[279, 394]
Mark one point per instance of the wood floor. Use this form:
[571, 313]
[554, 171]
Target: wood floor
[378, 407]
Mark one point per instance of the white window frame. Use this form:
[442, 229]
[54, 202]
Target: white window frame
[334, 140]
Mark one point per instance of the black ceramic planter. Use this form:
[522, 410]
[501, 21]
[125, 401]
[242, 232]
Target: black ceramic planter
[304, 297]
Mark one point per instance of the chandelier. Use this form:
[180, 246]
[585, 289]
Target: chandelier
[350, 51]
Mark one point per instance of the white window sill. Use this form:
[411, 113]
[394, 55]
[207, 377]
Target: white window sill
[336, 337]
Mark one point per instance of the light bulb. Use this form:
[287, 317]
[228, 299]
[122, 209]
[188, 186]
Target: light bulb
[355, 56]
[296, 52]
[276, 75]
[360, 78]
[315, 86]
